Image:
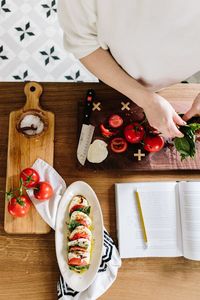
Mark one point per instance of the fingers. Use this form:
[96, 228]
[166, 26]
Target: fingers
[194, 110]
[178, 120]
[174, 132]
[170, 130]
[189, 114]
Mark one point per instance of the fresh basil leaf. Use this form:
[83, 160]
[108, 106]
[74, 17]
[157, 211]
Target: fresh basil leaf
[183, 147]
[194, 126]
[73, 224]
[79, 268]
[186, 145]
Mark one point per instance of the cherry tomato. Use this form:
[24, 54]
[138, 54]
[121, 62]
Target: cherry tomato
[80, 235]
[118, 145]
[43, 191]
[153, 143]
[115, 121]
[107, 132]
[77, 262]
[19, 206]
[30, 177]
[134, 133]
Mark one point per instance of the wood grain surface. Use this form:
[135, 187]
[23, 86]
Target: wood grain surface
[28, 263]
[23, 150]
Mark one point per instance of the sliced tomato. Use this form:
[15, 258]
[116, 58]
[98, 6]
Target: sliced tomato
[115, 121]
[106, 132]
[77, 248]
[80, 235]
[76, 207]
[118, 145]
[77, 262]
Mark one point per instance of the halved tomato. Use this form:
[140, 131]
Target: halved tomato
[77, 262]
[107, 132]
[118, 145]
[115, 121]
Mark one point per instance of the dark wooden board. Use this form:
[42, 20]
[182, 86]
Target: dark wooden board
[166, 159]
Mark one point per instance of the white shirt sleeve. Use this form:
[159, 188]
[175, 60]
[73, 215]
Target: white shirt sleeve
[78, 21]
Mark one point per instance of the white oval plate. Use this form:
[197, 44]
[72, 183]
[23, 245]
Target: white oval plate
[79, 282]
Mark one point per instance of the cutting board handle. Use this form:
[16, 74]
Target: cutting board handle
[32, 90]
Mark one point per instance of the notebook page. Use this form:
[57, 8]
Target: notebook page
[190, 218]
[160, 208]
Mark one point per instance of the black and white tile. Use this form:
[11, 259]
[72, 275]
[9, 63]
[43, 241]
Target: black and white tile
[31, 46]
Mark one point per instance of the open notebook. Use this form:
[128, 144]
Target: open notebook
[171, 212]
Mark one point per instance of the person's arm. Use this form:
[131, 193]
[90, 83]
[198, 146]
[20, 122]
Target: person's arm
[158, 110]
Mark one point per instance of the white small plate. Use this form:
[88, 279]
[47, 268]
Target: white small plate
[79, 282]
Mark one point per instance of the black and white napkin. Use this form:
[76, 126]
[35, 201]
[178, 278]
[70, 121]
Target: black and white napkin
[110, 262]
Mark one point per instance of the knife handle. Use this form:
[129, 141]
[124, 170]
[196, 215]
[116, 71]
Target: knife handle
[88, 106]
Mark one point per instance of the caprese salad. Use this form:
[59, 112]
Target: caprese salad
[80, 239]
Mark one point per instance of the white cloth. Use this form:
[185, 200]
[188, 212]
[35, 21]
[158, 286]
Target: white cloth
[156, 42]
[110, 262]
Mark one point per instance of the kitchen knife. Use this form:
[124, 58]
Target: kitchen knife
[87, 129]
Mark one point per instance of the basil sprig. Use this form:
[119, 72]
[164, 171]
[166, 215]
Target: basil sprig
[186, 145]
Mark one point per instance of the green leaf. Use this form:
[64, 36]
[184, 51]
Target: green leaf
[73, 224]
[186, 145]
[194, 126]
[79, 268]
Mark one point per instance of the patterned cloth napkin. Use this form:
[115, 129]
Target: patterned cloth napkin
[110, 259]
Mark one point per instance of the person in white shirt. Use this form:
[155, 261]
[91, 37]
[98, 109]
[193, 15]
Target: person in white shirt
[137, 47]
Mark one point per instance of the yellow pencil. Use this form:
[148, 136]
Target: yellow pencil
[141, 217]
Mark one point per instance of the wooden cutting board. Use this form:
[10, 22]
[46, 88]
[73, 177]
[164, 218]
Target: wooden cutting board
[135, 158]
[23, 150]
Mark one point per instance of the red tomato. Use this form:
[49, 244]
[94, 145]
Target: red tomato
[115, 121]
[153, 143]
[43, 191]
[19, 206]
[118, 145]
[134, 133]
[77, 262]
[106, 132]
[76, 207]
[80, 235]
[30, 177]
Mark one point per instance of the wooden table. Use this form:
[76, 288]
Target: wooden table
[28, 266]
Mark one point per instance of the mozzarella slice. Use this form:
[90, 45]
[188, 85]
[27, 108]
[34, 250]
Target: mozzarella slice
[78, 215]
[97, 152]
[81, 255]
[84, 243]
[81, 229]
[78, 200]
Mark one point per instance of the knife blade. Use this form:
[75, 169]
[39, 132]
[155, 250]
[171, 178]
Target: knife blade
[87, 129]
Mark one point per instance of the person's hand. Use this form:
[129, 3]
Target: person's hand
[162, 116]
[194, 110]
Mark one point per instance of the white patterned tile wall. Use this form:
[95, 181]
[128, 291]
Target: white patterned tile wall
[31, 46]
